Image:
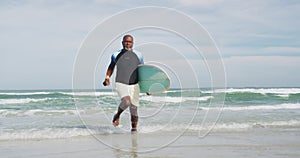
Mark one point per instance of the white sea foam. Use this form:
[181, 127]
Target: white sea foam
[234, 126]
[280, 91]
[205, 98]
[21, 101]
[24, 93]
[39, 112]
[89, 93]
[158, 99]
[258, 107]
[5, 113]
[283, 95]
[260, 124]
[54, 133]
[68, 132]
[59, 92]
[47, 133]
[264, 107]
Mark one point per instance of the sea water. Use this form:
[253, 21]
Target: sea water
[58, 114]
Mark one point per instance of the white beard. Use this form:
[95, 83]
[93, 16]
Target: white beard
[128, 49]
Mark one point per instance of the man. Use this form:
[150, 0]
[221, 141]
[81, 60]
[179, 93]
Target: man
[127, 86]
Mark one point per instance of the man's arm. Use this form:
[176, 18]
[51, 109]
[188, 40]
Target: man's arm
[109, 72]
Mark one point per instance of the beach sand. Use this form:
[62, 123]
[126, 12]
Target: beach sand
[259, 142]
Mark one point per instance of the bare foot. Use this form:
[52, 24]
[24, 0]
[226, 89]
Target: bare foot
[115, 120]
[133, 130]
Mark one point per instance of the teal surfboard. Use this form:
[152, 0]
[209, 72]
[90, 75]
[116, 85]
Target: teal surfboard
[152, 79]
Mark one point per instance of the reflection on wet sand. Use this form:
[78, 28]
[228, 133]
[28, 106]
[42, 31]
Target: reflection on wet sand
[132, 152]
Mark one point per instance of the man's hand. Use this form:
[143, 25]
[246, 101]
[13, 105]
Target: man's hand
[106, 82]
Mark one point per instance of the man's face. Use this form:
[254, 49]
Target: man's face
[127, 43]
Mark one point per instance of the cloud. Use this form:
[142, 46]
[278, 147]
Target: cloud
[243, 51]
[282, 50]
[255, 28]
[200, 3]
[41, 38]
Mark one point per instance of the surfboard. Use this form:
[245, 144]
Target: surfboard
[152, 79]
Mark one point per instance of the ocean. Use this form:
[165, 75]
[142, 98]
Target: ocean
[60, 114]
[232, 122]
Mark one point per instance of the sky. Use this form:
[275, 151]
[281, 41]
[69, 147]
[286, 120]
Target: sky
[258, 41]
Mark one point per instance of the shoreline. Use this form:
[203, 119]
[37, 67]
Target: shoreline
[254, 143]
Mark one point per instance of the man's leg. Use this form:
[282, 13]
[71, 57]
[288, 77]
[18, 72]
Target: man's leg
[134, 117]
[125, 103]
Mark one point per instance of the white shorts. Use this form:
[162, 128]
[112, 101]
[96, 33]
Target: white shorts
[129, 90]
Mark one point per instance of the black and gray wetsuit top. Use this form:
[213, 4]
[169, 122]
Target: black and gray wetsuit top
[127, 63]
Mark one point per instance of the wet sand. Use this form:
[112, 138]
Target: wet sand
[258, 142]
